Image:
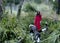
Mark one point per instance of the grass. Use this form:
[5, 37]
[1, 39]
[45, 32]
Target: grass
[16, 29]
[20, 29]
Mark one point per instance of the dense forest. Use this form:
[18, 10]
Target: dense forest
[16, 15]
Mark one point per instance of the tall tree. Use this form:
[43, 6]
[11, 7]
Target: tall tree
[10, 4]
[1, 10]
[58, 7]
[0, 6]
[19, 8]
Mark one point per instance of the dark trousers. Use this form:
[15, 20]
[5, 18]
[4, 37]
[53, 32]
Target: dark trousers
[31, 31]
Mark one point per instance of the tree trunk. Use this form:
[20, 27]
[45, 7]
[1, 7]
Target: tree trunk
[11, 8]
[19, 9]
[1, 12]
[3, 5]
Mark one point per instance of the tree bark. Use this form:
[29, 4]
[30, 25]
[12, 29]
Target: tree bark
[19, 8]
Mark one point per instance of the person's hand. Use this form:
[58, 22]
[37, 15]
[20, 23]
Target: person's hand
[44, 29]
[30, 25]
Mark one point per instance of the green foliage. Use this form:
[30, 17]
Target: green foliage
[11, 29]
[55, 4]
[27, 39]
[7, 26]
[4, 2]
[38, 2]
[9, 1]
[49, 36]
[16, 2]
[27, 20]
[52, 34]
[29, 8]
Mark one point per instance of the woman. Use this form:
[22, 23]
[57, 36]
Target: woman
[37, 21]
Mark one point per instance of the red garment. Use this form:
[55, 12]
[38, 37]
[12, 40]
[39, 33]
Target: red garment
[37, 21]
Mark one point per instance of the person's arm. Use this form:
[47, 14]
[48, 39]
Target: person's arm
[35, 20]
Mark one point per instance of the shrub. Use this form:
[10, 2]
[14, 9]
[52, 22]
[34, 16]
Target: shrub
[29, 8]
